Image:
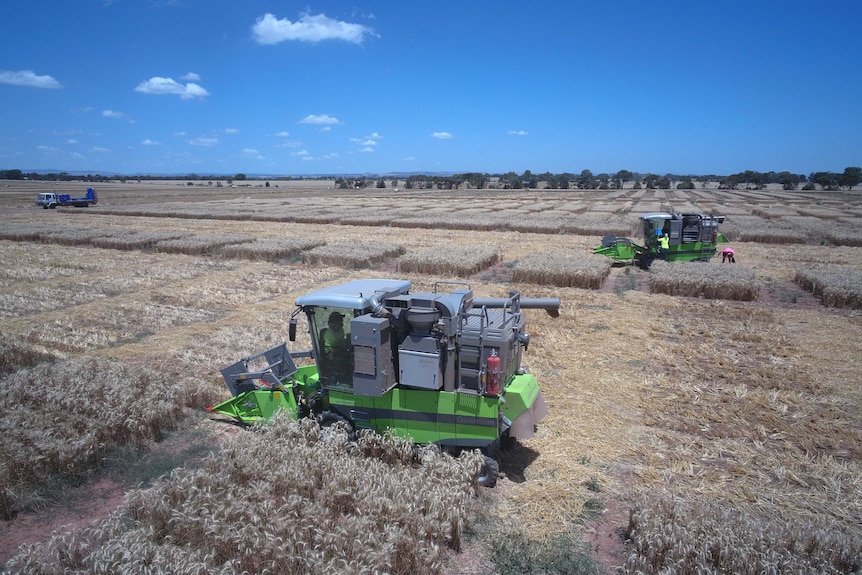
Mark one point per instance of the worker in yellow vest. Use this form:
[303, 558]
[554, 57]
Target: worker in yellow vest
[663, 246]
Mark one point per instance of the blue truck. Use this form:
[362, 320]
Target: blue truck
[52, 200]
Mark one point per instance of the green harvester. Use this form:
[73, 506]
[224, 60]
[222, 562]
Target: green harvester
[691, 237]
[439, 368]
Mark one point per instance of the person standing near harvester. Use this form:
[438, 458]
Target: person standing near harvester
[663, 246]
[728, 255]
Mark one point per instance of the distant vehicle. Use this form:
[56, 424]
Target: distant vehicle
[52, 200]
[691, 237]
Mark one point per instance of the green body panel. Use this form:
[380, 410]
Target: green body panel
[520, 395]
[424, 416]
[259, 404]
[691, 252]
[620, 251]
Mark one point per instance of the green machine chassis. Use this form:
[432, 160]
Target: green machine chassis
[444, 418]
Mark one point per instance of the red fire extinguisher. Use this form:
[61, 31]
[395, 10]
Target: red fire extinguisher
[494, 373]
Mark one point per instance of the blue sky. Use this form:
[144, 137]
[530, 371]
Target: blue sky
[278, 87]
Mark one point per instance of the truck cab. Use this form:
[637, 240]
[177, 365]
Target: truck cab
[47, 200]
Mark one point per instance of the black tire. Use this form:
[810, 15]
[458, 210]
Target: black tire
[645, 261]
[330, 418]
[489, 473]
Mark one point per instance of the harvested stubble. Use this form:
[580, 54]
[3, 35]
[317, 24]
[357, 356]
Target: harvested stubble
[844, 234]
[601, 224]
[454, 260]
[562, 269]
[200, 244]
[15, 355]
[320, 505]
[356, 254]
[731, 541]
[773, 212]
[135, 240]
[539, 223]
[59, 418]
[270, 249]
[835, 286]
[750, 440]
[698, 279]
[22, 232]
[823, 213]
[109, 326]
[454, 221]
[757, 229]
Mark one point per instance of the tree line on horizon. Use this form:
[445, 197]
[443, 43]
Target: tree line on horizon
[585, 180]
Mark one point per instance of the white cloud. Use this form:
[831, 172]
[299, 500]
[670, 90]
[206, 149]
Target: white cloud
[50, 149]
[289, 144]
[231, 131]
[300, 153]
[161, 86]
[441, 135]
[191, 77]
[113, 114]
[283, 134]
[71, 141]
[270, 30]
[149, 142]
[204, 141]
[99, 149]
[367, 150]
[410, 159]
[322, 120]
[371, 140]
[28, 78]
[517, 133]
[252, 153]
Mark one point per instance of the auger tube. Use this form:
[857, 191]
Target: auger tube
[549, 304]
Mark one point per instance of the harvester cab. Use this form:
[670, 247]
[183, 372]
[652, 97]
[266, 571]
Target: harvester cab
[691, 237]
[437, 367]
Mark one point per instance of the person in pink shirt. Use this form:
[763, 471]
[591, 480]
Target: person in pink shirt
[728, 255]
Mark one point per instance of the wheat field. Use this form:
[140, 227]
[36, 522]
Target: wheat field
[714, 425]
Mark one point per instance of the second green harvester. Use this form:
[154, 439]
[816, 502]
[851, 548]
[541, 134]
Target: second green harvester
[691, 237]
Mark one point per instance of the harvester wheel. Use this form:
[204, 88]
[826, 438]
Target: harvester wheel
[489, 472]
[330, 418]
[645, 261]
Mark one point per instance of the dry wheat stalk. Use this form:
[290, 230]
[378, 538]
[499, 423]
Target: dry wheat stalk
[451, 260]
[698, 279]
[320, 504]
[562, 269]
[353, 254]
[836, 286]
